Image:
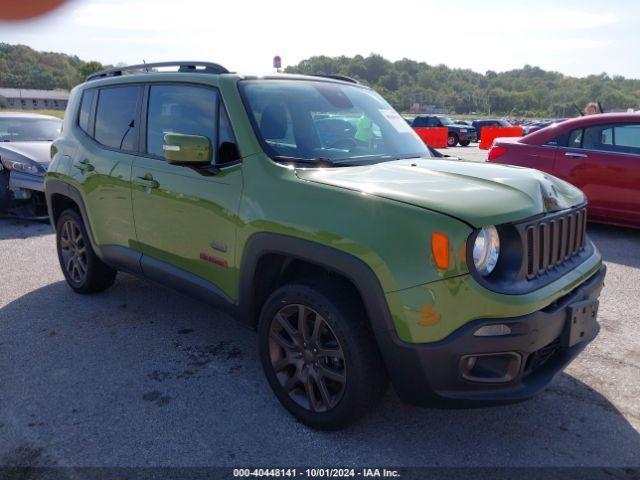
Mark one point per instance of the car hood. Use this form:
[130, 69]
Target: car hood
[477, 193]
[39, 152]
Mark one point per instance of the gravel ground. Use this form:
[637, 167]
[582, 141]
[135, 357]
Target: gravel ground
[143, 376]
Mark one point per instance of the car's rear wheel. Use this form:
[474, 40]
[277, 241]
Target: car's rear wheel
[319, 354]
[452, 140]
[83, 270]
[465, 143]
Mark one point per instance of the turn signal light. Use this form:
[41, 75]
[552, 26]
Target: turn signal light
[440, 249]
[496, 151]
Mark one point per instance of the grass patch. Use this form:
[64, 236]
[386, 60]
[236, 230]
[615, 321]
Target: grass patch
[54, 113]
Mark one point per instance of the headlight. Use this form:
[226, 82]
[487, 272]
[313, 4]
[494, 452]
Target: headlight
[25, 166]
[486, 250]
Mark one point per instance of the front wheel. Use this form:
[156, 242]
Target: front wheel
[83, 270]
[319, 354]
[452, 140]
[465, 143]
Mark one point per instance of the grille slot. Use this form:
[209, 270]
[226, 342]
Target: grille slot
[552, 241]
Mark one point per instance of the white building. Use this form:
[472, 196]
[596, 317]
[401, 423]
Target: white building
[28, 99]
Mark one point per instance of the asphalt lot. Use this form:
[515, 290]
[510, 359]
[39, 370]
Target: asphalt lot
[143, 376]
[472, 152]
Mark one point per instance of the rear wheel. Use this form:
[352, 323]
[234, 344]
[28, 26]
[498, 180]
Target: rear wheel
[319, 354]
[83, 270]
[452, 140]
[465, 143]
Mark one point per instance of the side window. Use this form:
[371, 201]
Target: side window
[627, 138]
[622, 138]
[420, 122]
[116, 117]
[186, 109]
[597, 138]
[85, 110]
[575, 139]
[433, 122]
[227, 145]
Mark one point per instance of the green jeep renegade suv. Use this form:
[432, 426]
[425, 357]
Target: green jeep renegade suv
[308, 208]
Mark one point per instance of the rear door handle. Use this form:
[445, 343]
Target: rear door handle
[85, 166]
[146, 182]
[575, 155]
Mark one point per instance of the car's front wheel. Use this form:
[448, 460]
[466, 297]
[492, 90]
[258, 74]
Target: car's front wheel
[452, 140]
[319, 354]
[83, 270]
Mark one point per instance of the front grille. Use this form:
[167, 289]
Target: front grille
[542, 356]
[553, 240]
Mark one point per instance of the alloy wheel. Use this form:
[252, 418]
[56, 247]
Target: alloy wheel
[74, 251]
[307, 358]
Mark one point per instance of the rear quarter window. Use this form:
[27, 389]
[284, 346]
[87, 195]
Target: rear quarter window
[85, 110]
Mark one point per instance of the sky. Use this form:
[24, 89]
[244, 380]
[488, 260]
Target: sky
[573, 37]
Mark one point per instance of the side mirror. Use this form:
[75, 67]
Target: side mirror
[181, 149]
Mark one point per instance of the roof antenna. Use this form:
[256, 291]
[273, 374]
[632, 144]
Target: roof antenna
[144, 62]
[600, 107]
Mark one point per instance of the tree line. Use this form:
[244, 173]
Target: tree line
[528, 91]
[24, 67]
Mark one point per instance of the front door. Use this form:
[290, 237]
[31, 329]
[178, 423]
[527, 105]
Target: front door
[186, 217]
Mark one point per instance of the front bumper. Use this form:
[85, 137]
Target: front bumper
[467, 136]
[26, 181]
[538, 348]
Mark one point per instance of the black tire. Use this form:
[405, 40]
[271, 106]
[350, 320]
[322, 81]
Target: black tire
[452, 140]
[83, 270]
[358, 361]
[465, 143]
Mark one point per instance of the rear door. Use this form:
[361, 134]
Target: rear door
[109, 120]
[186, 217]
[604, 161]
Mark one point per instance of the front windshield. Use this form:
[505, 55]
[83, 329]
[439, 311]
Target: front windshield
[342, 123]
[25, 129]
[446, 121]
[504, 123]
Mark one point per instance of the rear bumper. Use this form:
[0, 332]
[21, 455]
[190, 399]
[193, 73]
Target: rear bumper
[537, 349]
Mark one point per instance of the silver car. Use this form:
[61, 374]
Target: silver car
[25, 152]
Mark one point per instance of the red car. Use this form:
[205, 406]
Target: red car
[600, 154]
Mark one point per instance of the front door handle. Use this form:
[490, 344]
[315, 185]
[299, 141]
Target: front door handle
[84, 166]
[575, 155]
[146, 182]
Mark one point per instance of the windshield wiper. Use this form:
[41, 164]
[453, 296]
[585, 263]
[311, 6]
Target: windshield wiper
[317, 161]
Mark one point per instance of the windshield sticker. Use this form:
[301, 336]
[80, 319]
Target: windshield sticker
[394, 118]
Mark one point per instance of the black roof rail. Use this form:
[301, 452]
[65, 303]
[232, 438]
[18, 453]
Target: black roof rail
[206, 67]
[344, 78]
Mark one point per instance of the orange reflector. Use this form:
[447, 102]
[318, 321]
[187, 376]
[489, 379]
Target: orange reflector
[440, 249]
